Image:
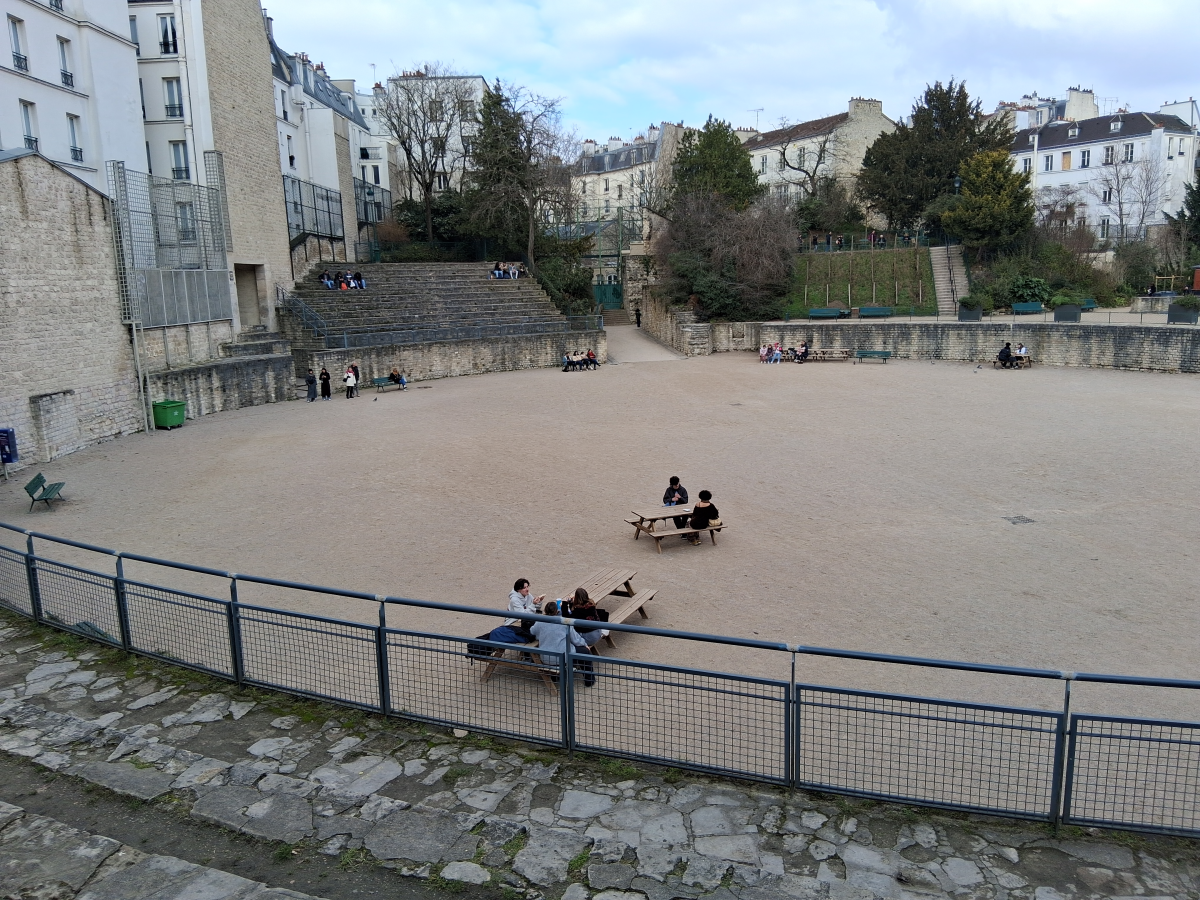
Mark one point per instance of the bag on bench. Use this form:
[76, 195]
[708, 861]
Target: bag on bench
[480, 651]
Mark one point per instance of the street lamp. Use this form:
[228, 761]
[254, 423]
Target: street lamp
[957, 183]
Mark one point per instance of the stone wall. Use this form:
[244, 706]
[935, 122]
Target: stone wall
[445, 359]
[184, 345]
[223, 384]
[68, 375]
[243, 122]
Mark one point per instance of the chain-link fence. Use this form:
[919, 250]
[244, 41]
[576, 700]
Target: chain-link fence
[1041, 764]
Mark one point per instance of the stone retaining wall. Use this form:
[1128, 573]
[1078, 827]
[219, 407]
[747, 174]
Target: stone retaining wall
[1153, 348]
[222, 384]
[445, 359]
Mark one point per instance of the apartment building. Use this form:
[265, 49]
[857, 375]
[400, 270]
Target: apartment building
[68, 84]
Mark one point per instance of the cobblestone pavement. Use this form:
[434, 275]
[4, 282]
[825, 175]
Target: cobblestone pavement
[508, 816]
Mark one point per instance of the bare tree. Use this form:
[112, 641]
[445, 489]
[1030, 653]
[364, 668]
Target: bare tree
[803, 164]
[431, 113]
[1131, 189]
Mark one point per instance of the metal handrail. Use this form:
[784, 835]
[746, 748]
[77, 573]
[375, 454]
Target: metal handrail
[308, 316]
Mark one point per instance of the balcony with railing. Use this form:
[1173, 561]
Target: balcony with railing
[20, 62]
[174, 110]
[77, 154]
[370, 153]
[31, 143]
[181, 173]
[68, 78]
[168, 48]
[56, 4]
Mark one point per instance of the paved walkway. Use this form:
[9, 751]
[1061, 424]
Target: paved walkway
[630, 344]
[471, 809]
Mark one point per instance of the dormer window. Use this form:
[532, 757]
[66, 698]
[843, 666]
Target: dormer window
[1032, 138]
[1073, 132]
[1114, 126]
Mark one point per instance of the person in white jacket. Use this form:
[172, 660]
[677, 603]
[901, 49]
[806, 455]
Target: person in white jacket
[351, 381]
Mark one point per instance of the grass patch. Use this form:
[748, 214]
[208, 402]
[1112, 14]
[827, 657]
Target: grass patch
[438, 883]
[672, 776]
[576, 866]
[516, 843]
[284, 852]
[455, 774]
[350, 860]
[619, 769]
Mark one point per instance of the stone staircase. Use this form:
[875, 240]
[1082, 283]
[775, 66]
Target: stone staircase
[418, 302]
[256, 341]
[617, 317]
[949, 278]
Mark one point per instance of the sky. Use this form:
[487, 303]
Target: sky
[620, 65]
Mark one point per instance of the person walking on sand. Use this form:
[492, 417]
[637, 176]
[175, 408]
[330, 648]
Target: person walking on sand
[311, 380]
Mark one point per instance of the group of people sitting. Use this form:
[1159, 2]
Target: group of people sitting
[704, 514]
[1010, 358]
[551, 636]
[578, 361]
[343, 281]
[773, 353]
[508, 270]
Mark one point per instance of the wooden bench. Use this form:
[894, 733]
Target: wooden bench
[1015, 362]
[498, 660]
[625, 611]
[659, 535]
[828, 353]
[38, 489]
[826, 313]
[885, 355]
[382, 384]
[1026, 309]
[874, 312]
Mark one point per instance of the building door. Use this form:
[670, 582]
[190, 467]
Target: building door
[246, 279]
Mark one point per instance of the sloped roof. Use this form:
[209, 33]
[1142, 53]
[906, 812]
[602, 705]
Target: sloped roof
[621, 158]
[803, 130]
[1091, 131]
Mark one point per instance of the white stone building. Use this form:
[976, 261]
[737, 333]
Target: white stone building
[790, 160]
[68, 84]
[624, 175]
[1032, 111]
[1118, 174]
[384, 152]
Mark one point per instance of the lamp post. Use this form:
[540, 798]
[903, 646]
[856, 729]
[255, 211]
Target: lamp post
[957, 183]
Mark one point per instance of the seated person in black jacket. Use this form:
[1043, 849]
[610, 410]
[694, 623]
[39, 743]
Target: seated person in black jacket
[581, 606]
[702, 516]
[1005, 356]
[676, 495]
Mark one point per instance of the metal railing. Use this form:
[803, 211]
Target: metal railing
[77, 154]
[181, 173]
[174, 110]
[68, 78]
[168, 47]
[1051, 765]
[20, 62]
[31, 143]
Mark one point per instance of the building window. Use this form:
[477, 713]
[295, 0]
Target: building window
[1114, 126]
[1128, 154]
[1085, 158]
[133, 35]
[1104, 226]
[620, 191]
[437, 110]
[1073, 131]
[64, 63]
[16, 29]
[762, 164]
[375, 173]
[283, 104]
[149, 164]
[1039, 117]
[1032, 138]
[1181, 145]
[174, 97]
[142, 97]
[1106, 195]
[443, 182]
[186, 215]
[29, 123]
[606, 204]
[1066, 161]
[583, 188]
[73, 133]
[606, 185]
[781, 192]
[1027, 165]
[1110, 155]
[466, 109]
[290, 153]
[181, 170]
[168, 41]
[1048, 163]
[800, 157]
[583, 210]
[781, 163]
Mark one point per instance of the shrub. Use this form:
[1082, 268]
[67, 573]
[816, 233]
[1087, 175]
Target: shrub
[1028, 289]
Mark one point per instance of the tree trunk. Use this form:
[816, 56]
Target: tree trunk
[529, 245]
[428, 192]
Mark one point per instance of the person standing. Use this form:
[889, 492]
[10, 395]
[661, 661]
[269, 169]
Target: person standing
[637, 316]
[357, 377]
[350, 382]
[311, 380]
[326, 392]
[676, 495]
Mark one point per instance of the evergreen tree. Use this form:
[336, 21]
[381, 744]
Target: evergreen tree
[995, 206]
[1188, 219]
[905, 171]
[495, 195]
[714, 162]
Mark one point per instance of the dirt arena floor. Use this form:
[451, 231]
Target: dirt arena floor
[866, 507]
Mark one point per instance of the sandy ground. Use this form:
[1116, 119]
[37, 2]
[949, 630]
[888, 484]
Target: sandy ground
[866, 508]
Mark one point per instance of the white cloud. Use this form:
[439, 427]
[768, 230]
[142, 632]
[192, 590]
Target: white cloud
[621, 65]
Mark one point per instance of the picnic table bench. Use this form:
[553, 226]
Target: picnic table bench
[827, 313]
[828, 353]
[39, 490]
[645, 522]
[874, 312]
[885, 355]
[1017, 361]
[523, 662]
[618, 583]
[1025, 309]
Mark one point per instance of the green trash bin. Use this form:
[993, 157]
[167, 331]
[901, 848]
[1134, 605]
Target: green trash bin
[169, 413]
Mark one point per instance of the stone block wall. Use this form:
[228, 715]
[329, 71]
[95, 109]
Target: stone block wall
[223, 384]
[445, 359]
[183, 345]
[68, 374]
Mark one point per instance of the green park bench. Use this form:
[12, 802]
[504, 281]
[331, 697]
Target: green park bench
[39, 490]
[1025, 309]
[874, 312]
[885, 355]
[1088, 305]
[825, 313]
[382, 384]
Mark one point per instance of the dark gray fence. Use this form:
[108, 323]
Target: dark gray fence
[1048, 765]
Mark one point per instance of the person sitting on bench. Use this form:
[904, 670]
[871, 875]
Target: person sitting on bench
[1005, 356]
[592, 362]
[703, 515]
[519, 601]
[676, 495]
[553, 638]
[397, 377]
[580, 606]
[802, 353]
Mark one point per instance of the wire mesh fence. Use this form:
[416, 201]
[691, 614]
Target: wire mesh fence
[1116, 771]
[1134, 773]
[312, 209]
[459, 682]
[956, 755]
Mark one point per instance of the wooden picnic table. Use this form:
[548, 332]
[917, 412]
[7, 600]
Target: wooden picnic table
[645, 521]
[617, 583]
